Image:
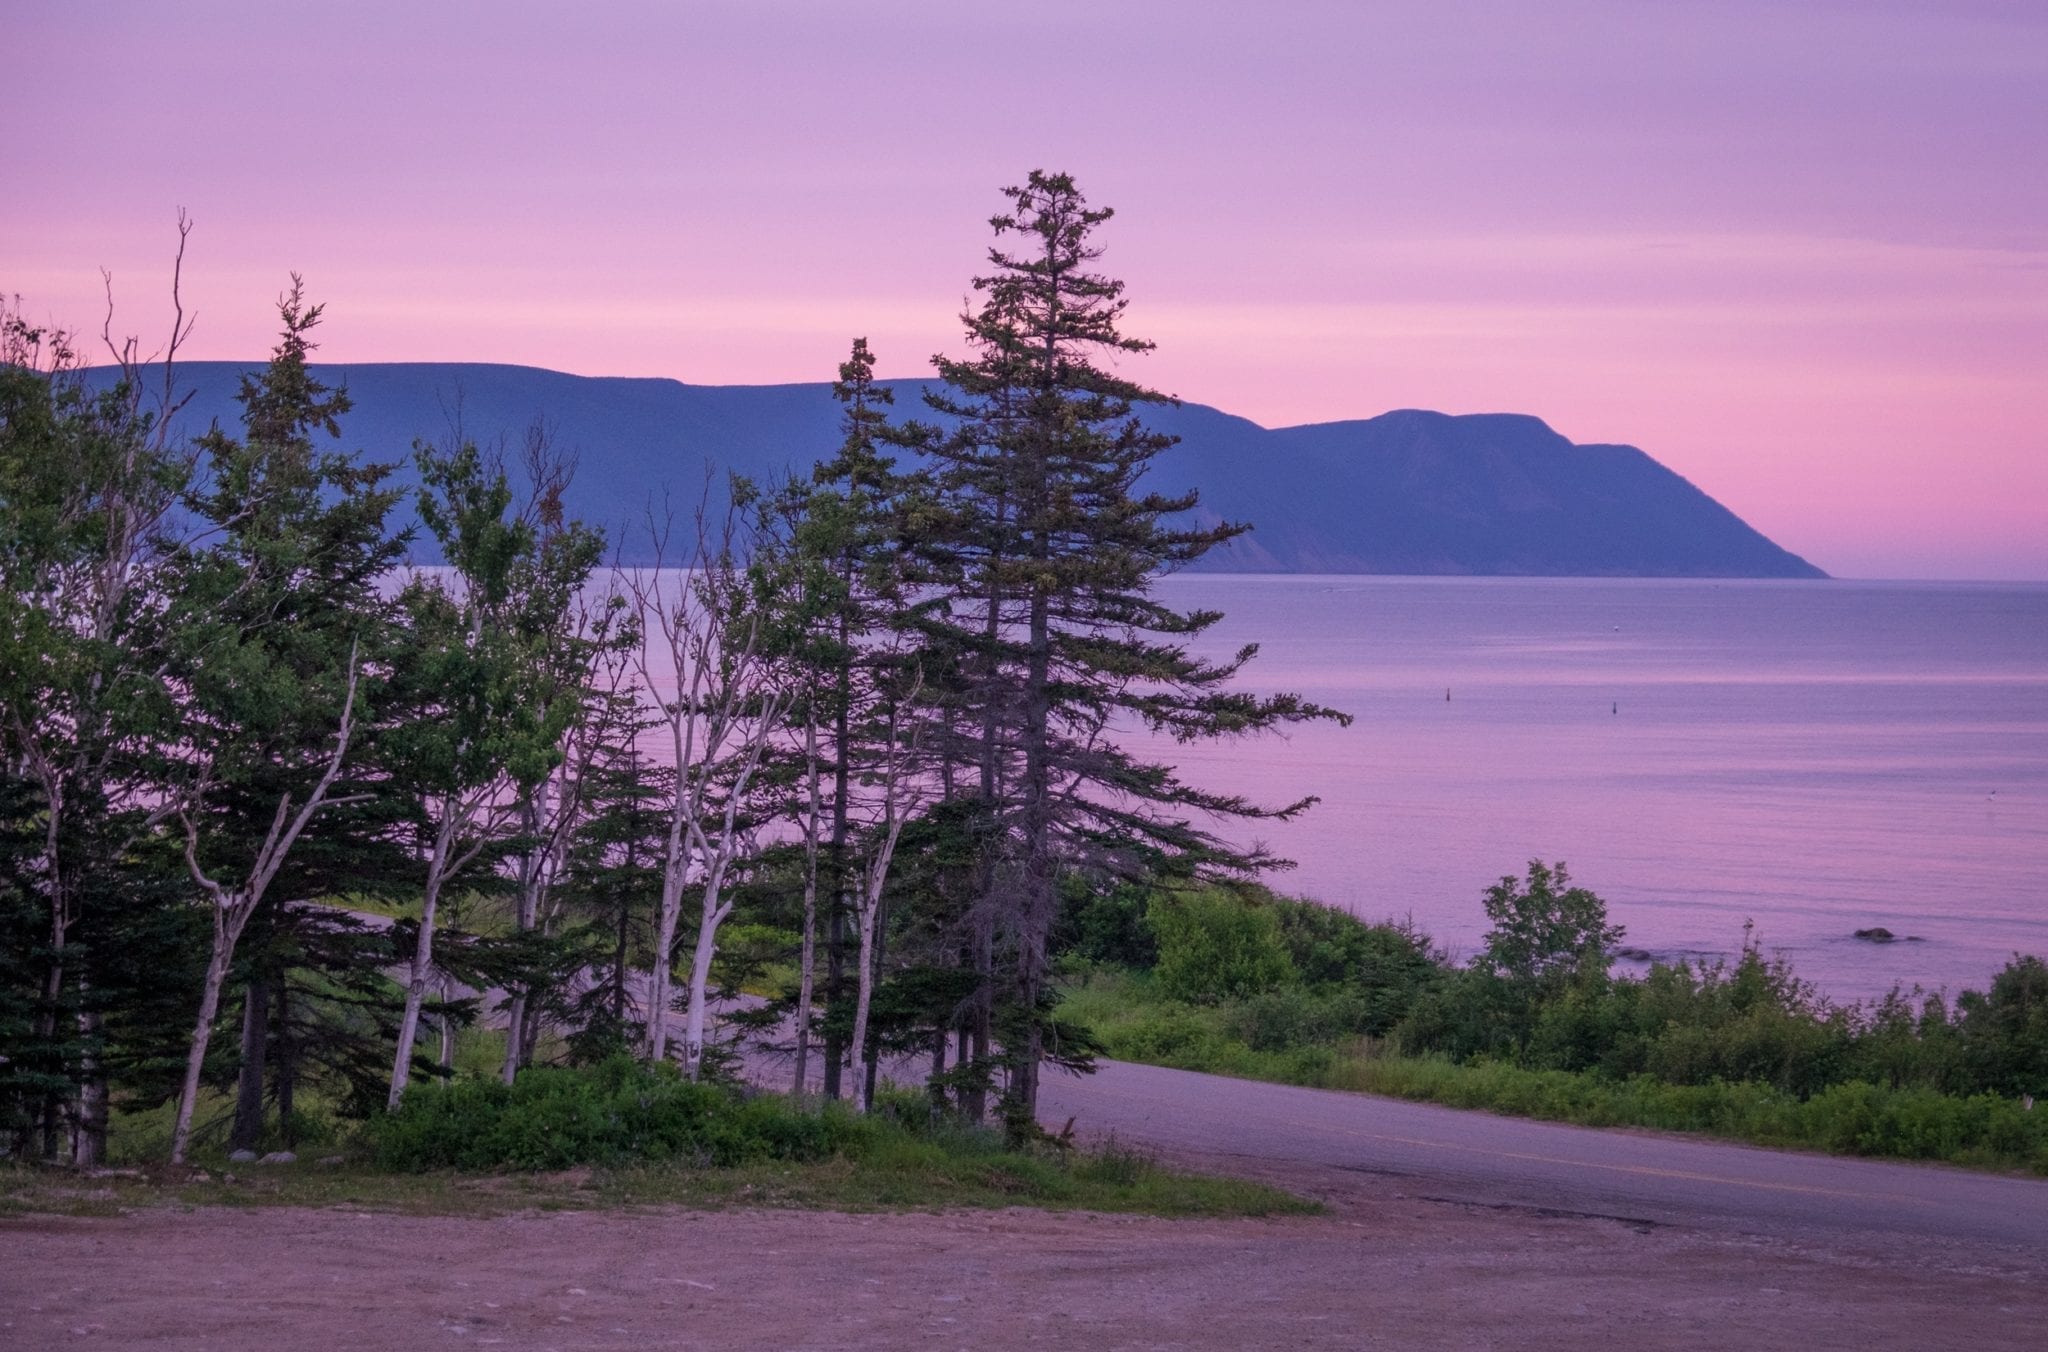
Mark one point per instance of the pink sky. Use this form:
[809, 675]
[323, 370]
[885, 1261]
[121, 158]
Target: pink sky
[1796, 249]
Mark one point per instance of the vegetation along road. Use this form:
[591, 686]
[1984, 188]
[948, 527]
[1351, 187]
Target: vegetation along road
[1481, 1159]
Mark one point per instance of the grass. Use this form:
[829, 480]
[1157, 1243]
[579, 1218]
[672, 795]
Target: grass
[899, 1175]
[623, 1135]
[1985, 1131]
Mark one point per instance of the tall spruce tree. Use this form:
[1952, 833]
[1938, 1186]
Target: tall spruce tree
[280, 632]
[846, 529]
[1053, 547]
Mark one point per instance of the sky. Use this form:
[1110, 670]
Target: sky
[1795, 249]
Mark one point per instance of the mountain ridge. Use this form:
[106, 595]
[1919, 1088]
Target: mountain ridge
[1410, 491]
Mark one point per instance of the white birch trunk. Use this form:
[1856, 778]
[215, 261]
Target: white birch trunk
[660, 987]
[807, 957]
[700, 988]
[202, 1034]
[899, 798]
[864, 992]
[422, 959]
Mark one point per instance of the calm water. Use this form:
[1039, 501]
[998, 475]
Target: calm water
[1816, 757]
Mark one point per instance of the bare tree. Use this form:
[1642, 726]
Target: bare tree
[705, 668]
[902, 790]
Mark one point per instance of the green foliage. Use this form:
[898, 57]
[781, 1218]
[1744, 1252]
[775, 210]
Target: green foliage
[1214, 946]
[1105, 925]
[1545, 929]
[1383, 969]
[620, 1111]
[2004, 1032]
[1740, 1048]
[627, 1116]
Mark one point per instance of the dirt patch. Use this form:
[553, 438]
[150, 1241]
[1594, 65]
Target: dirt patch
[1382, 1270]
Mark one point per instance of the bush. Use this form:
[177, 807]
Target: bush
[1388, 966]
[1216, 946]
[2004, 1031]
[1292, 1017]
[1545, 929]
[614, 1113]
[1105, 927]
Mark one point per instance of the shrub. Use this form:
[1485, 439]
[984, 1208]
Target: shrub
[614, 1113]
[1215, 946]
[1387, 965]
[1545, 929]
[1106, 926]
[2004, 1031]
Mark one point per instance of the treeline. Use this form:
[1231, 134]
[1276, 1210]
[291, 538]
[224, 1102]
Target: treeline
[1539, 1022]
[848, 743]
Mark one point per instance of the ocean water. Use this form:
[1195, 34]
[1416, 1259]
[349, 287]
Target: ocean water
[1812, 757]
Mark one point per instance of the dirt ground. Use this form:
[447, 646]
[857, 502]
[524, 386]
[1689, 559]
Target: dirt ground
[1380, 1270]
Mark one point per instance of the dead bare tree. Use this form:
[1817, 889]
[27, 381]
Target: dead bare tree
[900, 780]
[704, 668]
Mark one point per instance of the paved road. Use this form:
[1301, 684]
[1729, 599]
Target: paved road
[1486, 1160]
[1502, 1161]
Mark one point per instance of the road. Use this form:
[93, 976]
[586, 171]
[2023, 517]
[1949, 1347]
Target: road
[1650, 1178]
[1480, 1159]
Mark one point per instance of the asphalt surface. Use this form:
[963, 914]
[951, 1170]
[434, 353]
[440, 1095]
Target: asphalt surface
[1649, 1178]
[1480, 1159]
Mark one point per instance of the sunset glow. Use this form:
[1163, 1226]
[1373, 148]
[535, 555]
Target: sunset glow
[1795, 251]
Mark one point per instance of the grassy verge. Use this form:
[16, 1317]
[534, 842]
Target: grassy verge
[623, 1134]
[1856, 1118]
[907, 1175]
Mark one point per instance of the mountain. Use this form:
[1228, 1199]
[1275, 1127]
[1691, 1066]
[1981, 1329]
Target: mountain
[1406, 492]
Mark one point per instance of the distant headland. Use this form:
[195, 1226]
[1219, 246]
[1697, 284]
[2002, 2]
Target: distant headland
[1407, 492]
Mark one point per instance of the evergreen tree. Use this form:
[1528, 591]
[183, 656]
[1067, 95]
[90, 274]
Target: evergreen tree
[1048, 562]
[610, 878]
[280, 635]
[845, 532]
[87, 483]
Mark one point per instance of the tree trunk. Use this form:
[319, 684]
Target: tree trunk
[934, 1092]
[660, 990]
[864, 989]
[532, 814]
[700, 985]
[1020, 1111]
[974, 1099]
[807, 956]
[248, 1127]
[515, 1033]
[89, 1141]
[422, 971]
[48, 1017]
[226, 929]
[835, 943]
[446, 1027]
[872, 967]
[619, 955]
[287, 1065]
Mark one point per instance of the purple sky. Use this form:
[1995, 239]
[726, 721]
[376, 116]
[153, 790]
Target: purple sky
[1796, 249]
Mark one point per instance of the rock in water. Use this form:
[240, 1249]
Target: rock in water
[1876, 934]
